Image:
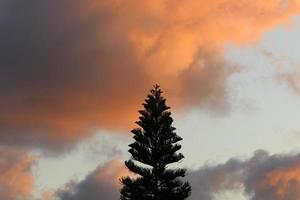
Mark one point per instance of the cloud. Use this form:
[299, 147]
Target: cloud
[16, 179]
[69, 68]
[262, 177]
[107, 145]
[102, 183]
[209, 82]
[292, 80]
[287, 70]
[209, 180]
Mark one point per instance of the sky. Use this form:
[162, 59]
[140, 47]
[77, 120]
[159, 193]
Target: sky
[74, 73]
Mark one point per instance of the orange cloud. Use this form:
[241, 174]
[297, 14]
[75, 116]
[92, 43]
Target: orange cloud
[80, 66]
[169, 34]
[16, 179]
[285, 182]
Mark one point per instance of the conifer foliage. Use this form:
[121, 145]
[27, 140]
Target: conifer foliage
[155, 146]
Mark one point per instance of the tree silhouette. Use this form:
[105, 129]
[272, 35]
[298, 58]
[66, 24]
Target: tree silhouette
[154, 148]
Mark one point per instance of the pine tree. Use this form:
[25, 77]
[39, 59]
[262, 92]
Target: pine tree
[154, 148]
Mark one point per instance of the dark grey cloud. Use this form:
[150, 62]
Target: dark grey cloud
[209, 180]
[262, 177]
[64, 71]
[102, 183]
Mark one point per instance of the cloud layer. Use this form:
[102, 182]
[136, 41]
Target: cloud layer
[71, 67]
[261, 177]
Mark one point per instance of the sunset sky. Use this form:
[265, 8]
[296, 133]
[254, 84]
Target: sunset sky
[74, 73]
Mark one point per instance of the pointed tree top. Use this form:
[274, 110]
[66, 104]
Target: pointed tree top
[156, 91]
[156, 86]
